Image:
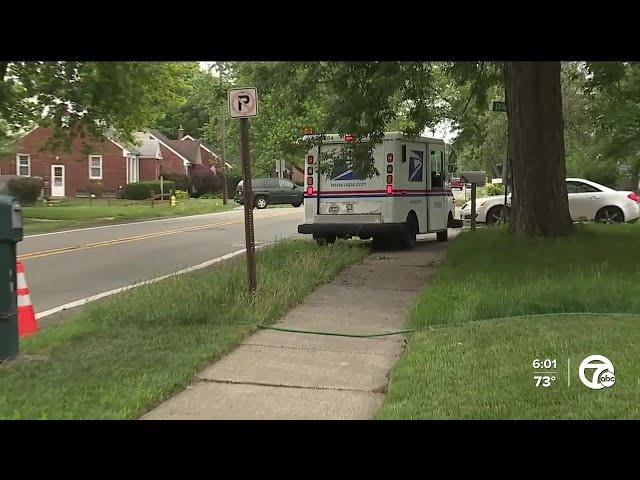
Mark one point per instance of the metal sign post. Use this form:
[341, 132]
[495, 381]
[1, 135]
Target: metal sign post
[223, 134]
[473, 206]
[243, 103]
[474, 178]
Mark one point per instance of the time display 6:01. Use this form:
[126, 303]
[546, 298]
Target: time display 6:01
[546, 363]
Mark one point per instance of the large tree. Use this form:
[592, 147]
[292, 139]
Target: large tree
[88, 97]
[535, 151]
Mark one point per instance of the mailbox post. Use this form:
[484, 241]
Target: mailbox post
[10, 235]
[474, 178]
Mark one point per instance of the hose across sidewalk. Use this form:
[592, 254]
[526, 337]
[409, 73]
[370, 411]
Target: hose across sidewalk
[334, 334]
[400, 332]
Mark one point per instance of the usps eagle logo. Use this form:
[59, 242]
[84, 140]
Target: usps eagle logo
[416, 163]
[342, 172]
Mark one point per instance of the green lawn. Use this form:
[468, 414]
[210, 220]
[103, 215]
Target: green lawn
[119, 358]
[459, 367]
[78, 213]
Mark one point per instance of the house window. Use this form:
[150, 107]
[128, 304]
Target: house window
[95, 167]
[24, 165]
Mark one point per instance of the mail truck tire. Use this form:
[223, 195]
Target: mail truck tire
[408, 240]
[381, 242]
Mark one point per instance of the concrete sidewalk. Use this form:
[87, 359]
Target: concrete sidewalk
[281, 375]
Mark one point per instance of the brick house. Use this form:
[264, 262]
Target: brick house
[295, 174]
[290, 171]
[107, 162]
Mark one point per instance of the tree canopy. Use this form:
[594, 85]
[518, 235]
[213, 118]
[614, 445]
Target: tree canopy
[88, 97]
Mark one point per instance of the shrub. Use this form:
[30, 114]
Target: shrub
[94, 188]
[493, 189]
[142, 190]
[181, 180]
[210, 196]
[232, 183]
[203, 180]
[181, 195]
[25, 189]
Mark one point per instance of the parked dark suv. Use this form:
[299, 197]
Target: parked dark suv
[272, 191]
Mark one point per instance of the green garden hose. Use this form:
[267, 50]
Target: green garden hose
[400, 332]
[334, 334]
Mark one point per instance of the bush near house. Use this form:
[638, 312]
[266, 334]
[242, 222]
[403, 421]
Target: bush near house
[493, 189]
[94, 188]
[181, 180]
[232, 182]
[181, 195]
[203, 180]
[25, 189]
[142, 190]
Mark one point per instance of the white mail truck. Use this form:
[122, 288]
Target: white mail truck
[409, 195]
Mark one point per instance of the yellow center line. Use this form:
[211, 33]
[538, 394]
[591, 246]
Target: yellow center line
[118, 241]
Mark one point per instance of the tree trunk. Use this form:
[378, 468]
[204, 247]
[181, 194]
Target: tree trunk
[540, 205]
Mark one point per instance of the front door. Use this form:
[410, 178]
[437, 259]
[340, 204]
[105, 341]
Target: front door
[57, 180]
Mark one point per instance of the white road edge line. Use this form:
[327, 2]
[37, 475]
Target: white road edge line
[93, 298]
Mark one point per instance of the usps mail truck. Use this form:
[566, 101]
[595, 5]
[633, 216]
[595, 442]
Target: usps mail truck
[409, 195]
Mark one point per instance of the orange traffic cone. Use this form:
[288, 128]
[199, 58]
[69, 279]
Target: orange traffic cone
[27, 323]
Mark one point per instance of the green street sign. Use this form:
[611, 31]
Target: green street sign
[499, 107]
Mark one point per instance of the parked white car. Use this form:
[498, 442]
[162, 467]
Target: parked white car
[587, 201]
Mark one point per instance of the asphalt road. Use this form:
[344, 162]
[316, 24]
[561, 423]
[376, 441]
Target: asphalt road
[68, 266]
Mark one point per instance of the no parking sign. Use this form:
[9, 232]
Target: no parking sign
[243, 102]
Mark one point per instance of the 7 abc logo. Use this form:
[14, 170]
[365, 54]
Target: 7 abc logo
[601, 372]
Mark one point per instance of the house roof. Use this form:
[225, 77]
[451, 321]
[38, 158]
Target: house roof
[191, 149]
[171, 145]
[190, 138]
[188, 147]
[146, 145]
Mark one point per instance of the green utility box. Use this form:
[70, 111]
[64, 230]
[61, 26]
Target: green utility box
[10, 235]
